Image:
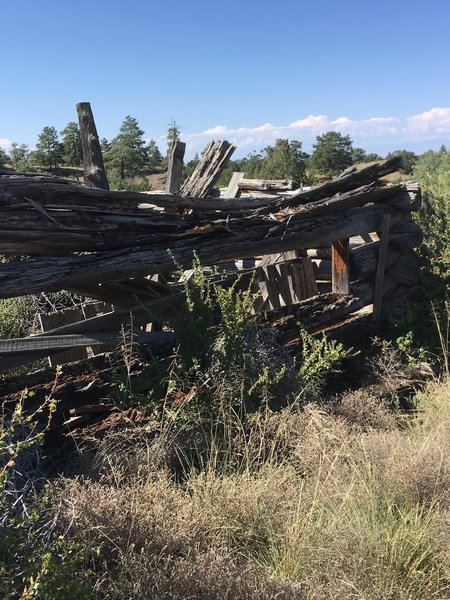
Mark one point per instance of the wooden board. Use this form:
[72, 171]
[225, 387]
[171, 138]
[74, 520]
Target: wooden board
[232, 190]
[340, 275]
[58, 319]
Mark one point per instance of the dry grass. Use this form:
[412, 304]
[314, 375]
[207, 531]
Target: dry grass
[320, 505]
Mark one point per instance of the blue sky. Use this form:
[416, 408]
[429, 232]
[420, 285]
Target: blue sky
[245, 71]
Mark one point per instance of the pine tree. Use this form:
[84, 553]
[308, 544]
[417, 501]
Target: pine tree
[71, 141]
[128, 152]
[155, 158]
[18, 154]
[332, 153]
[285, 160]
[4, 158]
[49, 150]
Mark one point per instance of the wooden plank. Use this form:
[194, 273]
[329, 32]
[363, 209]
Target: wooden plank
[310, 277]
[233, 187]
[58, 319]
[283, 283]
[175, 168]
[303, 279]
[59, 342]
[94, 169]
[379, 280]
[93, 309]
[340, 275]
[270, 275]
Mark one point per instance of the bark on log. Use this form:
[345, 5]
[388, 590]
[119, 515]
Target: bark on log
[273, 185]
[206, 173]
[40, 230]
[349, 180]
[175, 168]
[212, 247]
[94, 169]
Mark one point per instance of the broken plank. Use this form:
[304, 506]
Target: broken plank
[340, 276]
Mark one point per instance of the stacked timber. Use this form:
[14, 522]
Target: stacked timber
[107, 245]
[241, 187]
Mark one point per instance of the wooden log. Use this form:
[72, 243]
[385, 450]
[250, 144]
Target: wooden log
[56, 238]
[345, 182]
[273, 185]
[175, 168]
[94, 169]
[206, 173]
[52, 274]
[60, 194]
[340, 276]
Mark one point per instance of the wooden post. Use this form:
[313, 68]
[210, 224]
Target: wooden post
[175, 168]
[340, 280]
[233, 187]
[379, 280]
[94, 169]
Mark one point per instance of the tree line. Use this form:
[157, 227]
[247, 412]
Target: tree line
[128, 155]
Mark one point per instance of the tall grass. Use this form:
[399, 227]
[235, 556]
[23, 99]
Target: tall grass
[300, 504]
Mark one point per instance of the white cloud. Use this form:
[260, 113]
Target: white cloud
[435, 122]
[5, 144]
[387, 130]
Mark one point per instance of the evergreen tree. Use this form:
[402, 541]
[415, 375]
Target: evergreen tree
[252, 165]
[285, 160]
[71, 141]
[372, 157]
[105, 146]
[49, 150]
[332, 153]
[18, 154]
[4, 158]
[155, 158]
[128, 152]
[359, 155]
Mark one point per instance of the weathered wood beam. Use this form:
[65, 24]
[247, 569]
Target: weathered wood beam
[220, 245]
[381, 268]
[208, 170]
[94, 169]
[56, 232]
[340, 272]
[232, 190]
[64, 342]
[272, 185]
[175, 168]
[345, 182]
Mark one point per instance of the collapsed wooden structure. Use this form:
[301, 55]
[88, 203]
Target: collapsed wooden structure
[352, 237]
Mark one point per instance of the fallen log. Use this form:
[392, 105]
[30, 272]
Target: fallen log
[63, 231]
[212, 246]
[350, 179]
[272, 185]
